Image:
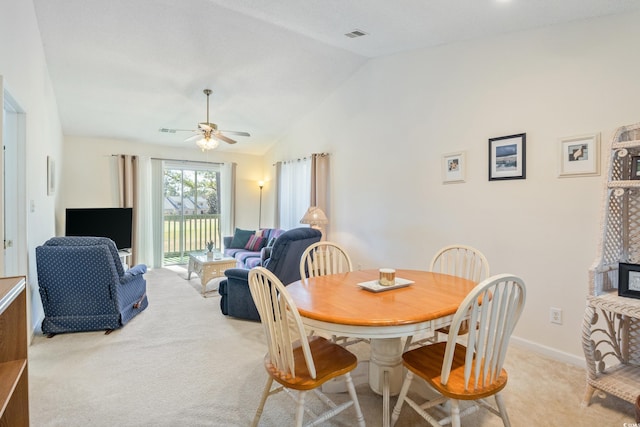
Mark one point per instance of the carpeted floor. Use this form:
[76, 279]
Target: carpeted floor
[182, 363]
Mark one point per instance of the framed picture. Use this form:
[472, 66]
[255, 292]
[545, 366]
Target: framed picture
[635, 167]
[629, 280]
[579, 155]
[507, 157]
[453, 167]
[51, 176]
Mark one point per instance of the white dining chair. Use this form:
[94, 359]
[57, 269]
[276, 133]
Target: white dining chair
[472, 372]
[456, 260]
[324, 258]
[296, 361]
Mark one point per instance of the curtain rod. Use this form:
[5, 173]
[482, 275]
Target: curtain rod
[173, 160]
[187, 161]
[301, 158]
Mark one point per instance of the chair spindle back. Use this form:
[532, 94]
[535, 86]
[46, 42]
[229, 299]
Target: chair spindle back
[461, 261]
[324, 258]
[495, 306]
[281, 321]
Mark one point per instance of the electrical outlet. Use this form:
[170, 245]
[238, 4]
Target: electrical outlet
[555, 315]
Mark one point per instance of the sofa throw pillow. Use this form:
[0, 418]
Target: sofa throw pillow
[240, 238]
[255, 243]
[271, 242]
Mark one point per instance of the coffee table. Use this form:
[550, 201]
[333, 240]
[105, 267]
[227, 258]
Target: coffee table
[208, 268]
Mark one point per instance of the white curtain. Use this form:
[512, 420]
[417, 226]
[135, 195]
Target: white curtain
[144, 218]
[157, 182]
[294, 182]
[228, 198]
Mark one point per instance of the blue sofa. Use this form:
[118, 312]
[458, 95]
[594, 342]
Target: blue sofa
[83, 286]
[246, 258]
[284, 262]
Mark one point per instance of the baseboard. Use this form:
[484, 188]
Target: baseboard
[553, 353]
[36, 329]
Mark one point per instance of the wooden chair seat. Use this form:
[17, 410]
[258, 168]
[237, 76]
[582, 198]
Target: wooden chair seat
[464, 329]
[426, 362]
[331, 360]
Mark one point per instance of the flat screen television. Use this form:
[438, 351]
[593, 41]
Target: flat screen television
[114, 223]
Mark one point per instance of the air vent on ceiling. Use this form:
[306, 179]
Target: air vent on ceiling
[167, 130]
[355, 33]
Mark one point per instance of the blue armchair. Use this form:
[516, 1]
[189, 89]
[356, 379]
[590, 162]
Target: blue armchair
[284, 262]
[84, 287]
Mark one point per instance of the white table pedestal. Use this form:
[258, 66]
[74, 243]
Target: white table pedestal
[386, 361]
[385, 371]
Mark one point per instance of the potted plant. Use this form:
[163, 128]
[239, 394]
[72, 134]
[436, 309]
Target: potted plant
[209, 246]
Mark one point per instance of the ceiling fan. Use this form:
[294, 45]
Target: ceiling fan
[207, 135]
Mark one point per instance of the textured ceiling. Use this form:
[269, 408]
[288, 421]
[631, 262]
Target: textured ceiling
[125, 68]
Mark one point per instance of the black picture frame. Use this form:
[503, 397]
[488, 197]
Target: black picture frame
[629, 280]
[508, 157]
[635, 167]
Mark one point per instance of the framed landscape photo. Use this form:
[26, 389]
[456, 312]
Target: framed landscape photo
[629, 280]
[453, 167]
[507, 157]
[580, 155]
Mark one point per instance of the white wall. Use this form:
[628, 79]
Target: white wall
[389, 125]
[89, 179]
[23, 67]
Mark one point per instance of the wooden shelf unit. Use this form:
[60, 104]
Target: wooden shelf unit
[14, 376]
[611, 325]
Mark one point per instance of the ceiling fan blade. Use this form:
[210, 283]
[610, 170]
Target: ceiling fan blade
[235, 132]
[221, 137]
[169, 130]
[194, 137]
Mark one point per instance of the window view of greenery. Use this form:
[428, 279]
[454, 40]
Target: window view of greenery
[191, 212]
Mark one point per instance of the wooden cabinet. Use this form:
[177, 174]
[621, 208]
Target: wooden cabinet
[611, 326]
[14, 386]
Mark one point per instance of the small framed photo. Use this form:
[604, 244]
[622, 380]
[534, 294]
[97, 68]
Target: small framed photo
[507, 157]
[629, 280]
[579, 155]
[51, 176]
[635, 167]
[453, 167]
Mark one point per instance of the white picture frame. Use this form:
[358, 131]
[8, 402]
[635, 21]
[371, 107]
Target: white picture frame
[453, 167]
[579, 155]
[51, 176]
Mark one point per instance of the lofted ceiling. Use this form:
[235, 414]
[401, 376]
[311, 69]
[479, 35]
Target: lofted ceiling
[124, 69]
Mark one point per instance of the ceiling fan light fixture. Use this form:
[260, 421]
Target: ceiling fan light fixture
[207, 143]
[206, 135]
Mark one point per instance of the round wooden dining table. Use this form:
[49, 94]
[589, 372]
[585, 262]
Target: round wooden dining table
[339, 304]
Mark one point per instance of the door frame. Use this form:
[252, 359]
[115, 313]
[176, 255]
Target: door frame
[17, 154]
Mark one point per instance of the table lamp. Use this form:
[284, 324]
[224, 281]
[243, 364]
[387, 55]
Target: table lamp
[314, 217]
